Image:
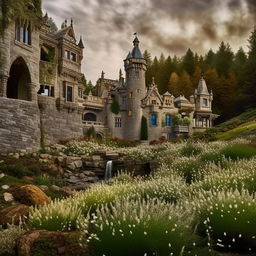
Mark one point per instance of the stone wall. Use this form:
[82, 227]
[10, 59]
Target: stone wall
[59, 121]
[19, 126]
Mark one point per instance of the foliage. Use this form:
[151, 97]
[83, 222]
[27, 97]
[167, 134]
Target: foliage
[144, 128]
[190, 150]
[57, 216]
[179, 120]
[22, 9]
[114, 107]
[25, 166]
[247, 128]
[8, 238]
[91, 133]
[141, 228]
[228, 219]
[238, 151]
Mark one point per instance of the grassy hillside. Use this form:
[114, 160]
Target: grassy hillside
[240, 126]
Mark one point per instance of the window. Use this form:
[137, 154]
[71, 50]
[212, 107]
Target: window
[168, 120]
[70, 55]
[153, 102]
[69, 93]
[118, 122]
[80, 93]
[23, 32]
[123, 100]
[73, 57]
[46, 90]
[138, 90]
[153, 120]
[130, 95]
[64, 89]
[205, 102]
[137, 74]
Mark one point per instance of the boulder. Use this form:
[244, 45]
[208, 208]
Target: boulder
[5, 187]
[55, 188]
[8, 197]
[30, 195]
[43, 187]
[13, 214]
[44, 243]
[29, 179]
[2, 175]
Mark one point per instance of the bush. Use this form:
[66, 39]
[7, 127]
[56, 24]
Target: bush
[91, 133]
[142, 228]
[144, 128]
[114, 107]
[229, 221]
[238, 151]
[8, 239]
[59, 215]
[190, 150]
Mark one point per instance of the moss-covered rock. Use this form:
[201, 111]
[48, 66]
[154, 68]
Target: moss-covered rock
[30, 195]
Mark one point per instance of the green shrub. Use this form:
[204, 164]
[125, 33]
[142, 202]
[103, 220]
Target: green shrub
[43, 179]
[238, 151]
[122, 177]
[59, 215]
[215, 157]
[142, 228]
[114, 107]
[91, 133]
[228, 219]
[190, 150]
[144, 128]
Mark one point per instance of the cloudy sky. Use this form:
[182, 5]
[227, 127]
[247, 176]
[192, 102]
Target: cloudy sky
[163, 26]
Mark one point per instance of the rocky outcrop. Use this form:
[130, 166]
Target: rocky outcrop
[13, 214]
[30, 195]
[44, 243]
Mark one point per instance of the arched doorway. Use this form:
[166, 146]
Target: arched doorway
[18, 82]
[90, 117]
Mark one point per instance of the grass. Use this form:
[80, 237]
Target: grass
[243, 129]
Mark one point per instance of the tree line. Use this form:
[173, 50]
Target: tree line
[230, 75]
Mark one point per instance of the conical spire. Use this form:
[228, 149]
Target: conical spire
[81, 44]
[136, 53]
[129, 55]
[202, 88]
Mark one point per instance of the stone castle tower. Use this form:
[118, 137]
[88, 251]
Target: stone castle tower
[135, 68]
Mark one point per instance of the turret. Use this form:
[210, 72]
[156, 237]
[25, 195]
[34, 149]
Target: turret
[203, 99]
[135, 68]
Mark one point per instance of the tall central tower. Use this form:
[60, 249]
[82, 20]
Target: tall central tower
[135, 68]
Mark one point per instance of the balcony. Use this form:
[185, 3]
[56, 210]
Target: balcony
[94, 102]
[181, 129]
[94, 123]
[47, 73]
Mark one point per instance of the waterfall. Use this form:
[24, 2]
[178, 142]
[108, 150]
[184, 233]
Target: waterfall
[108, 171]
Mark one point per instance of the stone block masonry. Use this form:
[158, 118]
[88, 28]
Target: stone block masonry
[19, 126]
[59, 122]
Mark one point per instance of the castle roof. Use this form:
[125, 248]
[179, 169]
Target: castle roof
[202, 88]
[167, 94]
[63, 32]
[181, 98]
[81, 44]
[136, 53]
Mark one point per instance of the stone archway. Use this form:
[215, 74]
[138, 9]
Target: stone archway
[18, 84]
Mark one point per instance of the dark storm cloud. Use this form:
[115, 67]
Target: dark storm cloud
[108, 25]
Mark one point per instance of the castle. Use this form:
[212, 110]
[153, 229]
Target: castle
[42, 95]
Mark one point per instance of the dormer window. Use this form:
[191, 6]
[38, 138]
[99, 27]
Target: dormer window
[153, 102]
[23, 32]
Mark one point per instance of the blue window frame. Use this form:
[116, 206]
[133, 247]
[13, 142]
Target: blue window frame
[168, 120]
[153, 120]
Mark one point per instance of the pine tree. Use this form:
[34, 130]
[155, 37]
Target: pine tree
[196, 76]
[224, 59]
[174, 83]
[186, 85]
[188, 62]
[144, 128]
